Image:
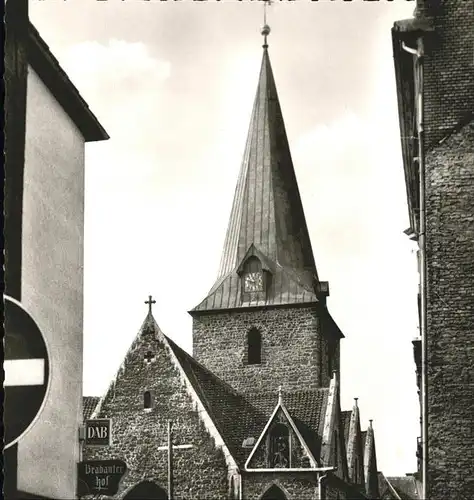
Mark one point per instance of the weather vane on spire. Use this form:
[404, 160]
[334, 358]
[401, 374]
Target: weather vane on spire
[266, 29]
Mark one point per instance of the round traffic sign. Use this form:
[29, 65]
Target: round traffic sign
[26, 368]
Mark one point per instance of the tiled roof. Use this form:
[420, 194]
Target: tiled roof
[88, 406]
[405, 486]
[306, 407]
[238, 416]
[267, 213]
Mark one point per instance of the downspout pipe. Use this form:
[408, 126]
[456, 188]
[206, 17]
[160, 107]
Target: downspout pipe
[320, 482]
[419, 54]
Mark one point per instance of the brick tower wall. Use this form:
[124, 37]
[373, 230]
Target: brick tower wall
[449, 98]
[294, 353]
[450, 316]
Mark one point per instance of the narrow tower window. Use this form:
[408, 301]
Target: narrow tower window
[254, 347]
[279, 447]
[147, 400]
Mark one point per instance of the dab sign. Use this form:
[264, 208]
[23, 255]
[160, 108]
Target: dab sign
[98, 432]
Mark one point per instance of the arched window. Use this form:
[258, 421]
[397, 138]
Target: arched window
[273, 493]
[146, 490]
[254, 347]
[279, 446]
[147, 400]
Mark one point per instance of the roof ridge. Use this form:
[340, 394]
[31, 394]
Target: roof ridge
[287, 392]
[202, 367]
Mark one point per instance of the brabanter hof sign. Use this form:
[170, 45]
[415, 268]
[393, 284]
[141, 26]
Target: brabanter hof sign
[100, 477]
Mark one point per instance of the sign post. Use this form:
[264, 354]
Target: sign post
[26, 371]
[170, 460]
[169, 448]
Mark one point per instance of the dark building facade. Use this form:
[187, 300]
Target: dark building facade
[434, 63]
[256, 411]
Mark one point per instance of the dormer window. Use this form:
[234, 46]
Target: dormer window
[253, 276]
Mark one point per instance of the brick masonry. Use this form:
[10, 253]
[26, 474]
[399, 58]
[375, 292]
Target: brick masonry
[450, 316]
[294, 350]
[449, 66]
[301, 486]
[449, 164]
[137, 433]
[200, 472]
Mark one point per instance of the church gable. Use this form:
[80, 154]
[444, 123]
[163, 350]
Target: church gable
[281, 445]
[150, 389]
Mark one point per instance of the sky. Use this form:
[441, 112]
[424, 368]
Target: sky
[173, 84]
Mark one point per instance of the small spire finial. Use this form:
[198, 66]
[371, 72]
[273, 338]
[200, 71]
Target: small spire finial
[280, 396]
[355, 401]
[266, 29]
[370, 423]
[150, 302]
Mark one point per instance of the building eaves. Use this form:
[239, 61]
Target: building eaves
[407, 31]
[64, 91]
[405, 486]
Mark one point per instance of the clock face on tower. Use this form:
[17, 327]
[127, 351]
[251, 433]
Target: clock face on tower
[253, 282]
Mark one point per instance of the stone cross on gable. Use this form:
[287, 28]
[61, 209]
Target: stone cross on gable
[170, 447]
[150, 302]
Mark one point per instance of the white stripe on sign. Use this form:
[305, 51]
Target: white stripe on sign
[20, 372]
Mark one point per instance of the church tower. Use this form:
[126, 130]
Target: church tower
[265, 323]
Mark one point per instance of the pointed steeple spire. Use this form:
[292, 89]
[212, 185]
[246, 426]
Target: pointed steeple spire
[267, 209]
[370, 461]
[267, 219]
[354, 447]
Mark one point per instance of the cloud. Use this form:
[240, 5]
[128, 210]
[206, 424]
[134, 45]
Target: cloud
[120, 80]
[336, 168]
